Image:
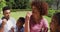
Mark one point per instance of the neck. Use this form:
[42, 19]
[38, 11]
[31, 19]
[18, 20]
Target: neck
[38, 21]
[7, 18]
[20, 27]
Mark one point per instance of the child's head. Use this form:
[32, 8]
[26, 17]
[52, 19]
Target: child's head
[55, 23]
[20, 21]
[39, 8]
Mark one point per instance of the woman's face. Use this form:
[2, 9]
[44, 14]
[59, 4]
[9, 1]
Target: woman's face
[35, 13]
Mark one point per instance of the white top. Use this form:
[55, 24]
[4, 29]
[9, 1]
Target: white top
[10, 23]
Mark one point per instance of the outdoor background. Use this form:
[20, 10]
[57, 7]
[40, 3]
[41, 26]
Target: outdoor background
[19, 8]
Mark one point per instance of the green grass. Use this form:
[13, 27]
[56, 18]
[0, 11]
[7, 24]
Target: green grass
[18, 14]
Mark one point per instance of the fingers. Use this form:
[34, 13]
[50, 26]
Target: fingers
[4, 21]
[29, 14]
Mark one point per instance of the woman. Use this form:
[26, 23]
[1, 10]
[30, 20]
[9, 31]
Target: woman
[35, 22]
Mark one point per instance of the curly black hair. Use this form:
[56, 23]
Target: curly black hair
[57, 15]
[41, 6]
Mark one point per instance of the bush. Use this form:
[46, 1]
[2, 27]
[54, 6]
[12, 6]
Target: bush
[14, 10]
[2, 4]
[51, 12]
[18, 4]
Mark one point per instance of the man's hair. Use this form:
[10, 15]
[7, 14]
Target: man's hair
[5, 8]
[22, 20]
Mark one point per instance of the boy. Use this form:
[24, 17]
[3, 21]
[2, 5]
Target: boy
[19, 24]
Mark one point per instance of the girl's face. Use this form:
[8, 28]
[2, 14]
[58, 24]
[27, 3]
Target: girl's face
[35, 13]
[54, 25]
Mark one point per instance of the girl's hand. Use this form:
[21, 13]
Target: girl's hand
[28, 15]
[27, 19]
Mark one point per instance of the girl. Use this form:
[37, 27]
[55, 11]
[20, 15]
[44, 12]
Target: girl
[35, 22]
[55, 23]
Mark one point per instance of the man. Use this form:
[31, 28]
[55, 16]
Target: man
[19, 24]
[7, 22]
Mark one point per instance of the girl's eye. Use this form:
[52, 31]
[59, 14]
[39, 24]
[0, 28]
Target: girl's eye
[50, 30]
[57, 31]
[32, 12]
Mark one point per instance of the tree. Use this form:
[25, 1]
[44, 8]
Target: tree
[2, 4]
[17, 4]
[50, 2]
[22, 4]
[57, 4]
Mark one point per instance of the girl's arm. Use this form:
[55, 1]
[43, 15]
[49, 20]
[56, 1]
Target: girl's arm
[45, 24]
[26, 26]
[46, 29]
[27, 19]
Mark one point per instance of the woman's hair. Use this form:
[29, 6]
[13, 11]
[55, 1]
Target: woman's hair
[41, 6]
[57, 16]
[55, 23]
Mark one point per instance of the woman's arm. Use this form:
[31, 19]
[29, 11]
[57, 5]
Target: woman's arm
[46, 29]
[27, 19]
[27, 26]
[45, 25]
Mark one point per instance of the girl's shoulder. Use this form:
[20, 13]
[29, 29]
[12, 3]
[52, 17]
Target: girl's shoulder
[45, 22]
[44, 19]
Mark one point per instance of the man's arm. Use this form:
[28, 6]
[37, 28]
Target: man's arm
[2, 25]
[2, 28]
[12, 29]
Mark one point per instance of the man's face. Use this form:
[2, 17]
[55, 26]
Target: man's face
[6, 13]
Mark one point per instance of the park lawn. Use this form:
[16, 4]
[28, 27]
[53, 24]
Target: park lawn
[18, 14]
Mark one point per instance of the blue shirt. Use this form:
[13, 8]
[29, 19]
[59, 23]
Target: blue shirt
[21, 29]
